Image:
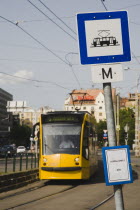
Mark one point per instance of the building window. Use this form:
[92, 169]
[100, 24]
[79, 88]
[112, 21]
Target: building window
[84, 108]
[100, 107]
[71, 107]
[100, 114]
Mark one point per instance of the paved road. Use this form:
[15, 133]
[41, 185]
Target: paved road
[72, 195]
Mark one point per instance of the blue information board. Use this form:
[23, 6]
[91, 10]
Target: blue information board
[117, 165]
[103, 37]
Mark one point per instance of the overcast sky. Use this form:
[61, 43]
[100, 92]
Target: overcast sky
[36, 49]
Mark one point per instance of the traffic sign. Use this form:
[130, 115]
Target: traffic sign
[104, 73]
[117, 165]
[103, 37]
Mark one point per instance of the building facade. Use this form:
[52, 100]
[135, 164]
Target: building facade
[90, 100]
[4, 116]
[129, 102]
[24, 115]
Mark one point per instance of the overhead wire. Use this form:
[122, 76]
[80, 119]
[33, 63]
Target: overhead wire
[40, 20]
[59, 27]
[71, 66]
[135, 5]
[102, 1]
[34, 80]
[57, 16]
[16, 24]
[51, 20]
[28, 61]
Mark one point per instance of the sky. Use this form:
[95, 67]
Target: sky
[39, 53]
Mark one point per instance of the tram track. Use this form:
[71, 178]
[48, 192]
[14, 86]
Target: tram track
[21, 192]
[37, 198]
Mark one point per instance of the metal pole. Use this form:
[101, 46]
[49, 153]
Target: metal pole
[26, 161]
[36, 149]
[137, 120]
[118, 123]
[20, 162]
[14, 163]
[6, 157]
[32, 160]
[112, 138]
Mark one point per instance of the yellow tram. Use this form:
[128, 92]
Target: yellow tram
[67, 145]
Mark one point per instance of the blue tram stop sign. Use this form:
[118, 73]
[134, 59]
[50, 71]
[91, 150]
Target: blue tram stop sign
[103, 37]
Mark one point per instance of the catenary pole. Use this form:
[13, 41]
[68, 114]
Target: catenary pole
[137, 152]
[117, 121]
[112, 138]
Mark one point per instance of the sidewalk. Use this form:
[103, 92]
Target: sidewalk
[131, 192]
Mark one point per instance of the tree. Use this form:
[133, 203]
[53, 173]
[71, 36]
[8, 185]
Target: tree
[127, 117]
[100, 127]
[20, 135]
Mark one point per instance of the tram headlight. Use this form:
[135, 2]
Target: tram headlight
[76, 161]
[44, 160]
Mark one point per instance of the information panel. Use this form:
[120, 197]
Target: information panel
[117, 165]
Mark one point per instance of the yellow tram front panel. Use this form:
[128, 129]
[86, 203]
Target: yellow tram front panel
[60, 166]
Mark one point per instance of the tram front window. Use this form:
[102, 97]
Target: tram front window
[61, 138]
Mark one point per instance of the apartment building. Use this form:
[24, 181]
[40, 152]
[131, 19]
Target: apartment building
[130, 101]
[25, 115]
[90, 100]
[4, 116]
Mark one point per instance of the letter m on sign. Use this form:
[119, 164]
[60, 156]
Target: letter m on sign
[107, 74]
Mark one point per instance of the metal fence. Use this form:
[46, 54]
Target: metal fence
[19, 162]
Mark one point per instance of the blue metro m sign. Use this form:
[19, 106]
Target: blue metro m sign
[103, 37]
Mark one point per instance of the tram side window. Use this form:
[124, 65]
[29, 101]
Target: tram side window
[85, 150]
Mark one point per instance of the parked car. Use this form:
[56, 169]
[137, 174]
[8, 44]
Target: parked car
[7, 149]
[21, 149]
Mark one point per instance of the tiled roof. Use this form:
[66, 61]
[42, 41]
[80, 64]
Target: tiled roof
[89, 94]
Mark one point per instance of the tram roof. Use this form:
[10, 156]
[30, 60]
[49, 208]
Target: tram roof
[67, 112]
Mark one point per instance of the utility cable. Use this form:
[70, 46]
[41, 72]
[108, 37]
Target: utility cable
[68, 63]
[135, 5]
[57, 17]
[136, 58]
[34, 80]
[102, 1]
[16, 24]
[51, 20]
[72, 67]
[28, 61]
[75, 77]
